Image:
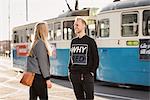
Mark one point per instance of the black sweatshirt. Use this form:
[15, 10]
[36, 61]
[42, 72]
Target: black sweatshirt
[83, 55]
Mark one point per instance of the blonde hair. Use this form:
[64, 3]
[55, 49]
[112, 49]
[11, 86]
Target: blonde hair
[83, 20]
[40, 32]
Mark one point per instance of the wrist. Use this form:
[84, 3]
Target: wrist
[47, 78]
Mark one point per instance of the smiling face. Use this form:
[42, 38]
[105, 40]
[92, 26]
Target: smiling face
[79, 26]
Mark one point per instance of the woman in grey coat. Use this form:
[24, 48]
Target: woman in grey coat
[41, 66]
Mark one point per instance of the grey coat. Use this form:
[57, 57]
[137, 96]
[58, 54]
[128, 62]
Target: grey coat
[39, 62]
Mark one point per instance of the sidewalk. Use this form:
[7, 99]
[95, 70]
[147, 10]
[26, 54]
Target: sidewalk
[5, 63]
[11, 89]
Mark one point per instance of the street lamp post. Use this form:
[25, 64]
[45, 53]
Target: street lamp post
[26, 10]
[9, 28]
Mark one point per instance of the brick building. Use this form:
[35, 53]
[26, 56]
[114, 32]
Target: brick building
[5, 46]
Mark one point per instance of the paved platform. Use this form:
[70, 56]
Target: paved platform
[11, 89]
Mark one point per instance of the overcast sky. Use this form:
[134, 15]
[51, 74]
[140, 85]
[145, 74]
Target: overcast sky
[37, 10]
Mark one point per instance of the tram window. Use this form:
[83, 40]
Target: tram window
[51, 31]
[27, 38]
[21, 39]
[129, 25]
[146, 23]
[51, 34]
[57, 31]
[23, 34]
[30, 37]
[16, 39]
[91, 25]
[31, 31]
[27, 35]
[68, 30]
[103, 26]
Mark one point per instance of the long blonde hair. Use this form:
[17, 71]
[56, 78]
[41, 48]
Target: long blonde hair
[40, 32]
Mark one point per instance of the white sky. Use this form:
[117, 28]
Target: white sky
[37, 10]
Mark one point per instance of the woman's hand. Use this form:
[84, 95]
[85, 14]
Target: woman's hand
[49, 83]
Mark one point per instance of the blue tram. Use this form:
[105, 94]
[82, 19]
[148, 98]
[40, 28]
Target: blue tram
[123, 40]
[122, 34]
[60, 34]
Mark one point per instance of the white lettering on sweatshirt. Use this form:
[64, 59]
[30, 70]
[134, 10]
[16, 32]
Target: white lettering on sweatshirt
[79, 54]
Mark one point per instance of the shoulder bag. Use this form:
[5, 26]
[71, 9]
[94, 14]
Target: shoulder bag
[28, 77]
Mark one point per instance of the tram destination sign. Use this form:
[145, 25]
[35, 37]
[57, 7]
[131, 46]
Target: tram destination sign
[144, 49]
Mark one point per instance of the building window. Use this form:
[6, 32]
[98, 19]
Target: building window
[129, 24]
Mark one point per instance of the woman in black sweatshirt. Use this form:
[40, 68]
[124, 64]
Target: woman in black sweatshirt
[84, 61]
